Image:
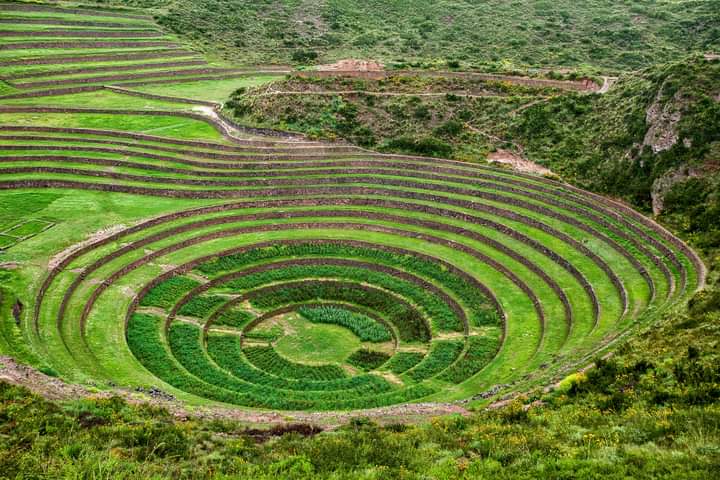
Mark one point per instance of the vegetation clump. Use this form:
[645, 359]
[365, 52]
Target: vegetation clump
[366, 328]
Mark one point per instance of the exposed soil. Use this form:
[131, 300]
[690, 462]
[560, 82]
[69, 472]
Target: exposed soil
[106, 232]
[49, 387]
[608, 82]
[56, 389]
[517, 162]
[353, 65]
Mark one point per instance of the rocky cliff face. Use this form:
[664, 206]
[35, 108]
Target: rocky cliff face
[662, 120]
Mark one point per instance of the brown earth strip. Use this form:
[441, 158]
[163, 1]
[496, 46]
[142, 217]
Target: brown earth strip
[262, 228]
[84, 44]
[380, 181]
[320, 151]
[216, 123]
[56, 389]
[291, 308]
[166, 98]
[658, 229]
[241, 144]
[489, 209]
[130, 76]
[15, 20]
[263, 291]
[26, 7]
[82, 33]
[497, 245]
[104, 57]
[111, 68]
[279, 264]
[329, 190]
[586, 85]
[667, 253]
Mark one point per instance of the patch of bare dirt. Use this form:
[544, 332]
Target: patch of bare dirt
[263, 435]
[49, 387]
[56, 389]
[97, 236]
[353, 65]
[517, 162]
[608, 82]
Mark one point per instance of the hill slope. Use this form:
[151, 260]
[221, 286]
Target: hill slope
[538, 33]
[652, 139]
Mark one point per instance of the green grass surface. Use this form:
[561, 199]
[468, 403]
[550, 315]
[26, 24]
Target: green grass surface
[316, 343]
[102, 99]
[209, 90]
[171, 127]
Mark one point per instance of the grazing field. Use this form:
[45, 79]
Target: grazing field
[169, 248]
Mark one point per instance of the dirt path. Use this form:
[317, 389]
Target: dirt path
[378, 94]
[55, 389]
[608, 82]
[517, 162]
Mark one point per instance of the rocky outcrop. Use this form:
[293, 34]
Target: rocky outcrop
[662, 120]
[664, 184]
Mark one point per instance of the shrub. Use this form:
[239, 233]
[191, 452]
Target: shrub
[428, 146]
[304, 56]
[366, 359]
[480, 351]
[403, 361]
[442, 354]
[202, 305]
[451, 128]
[234, 318]
[168, 292]
[267, 359]
[366, 328]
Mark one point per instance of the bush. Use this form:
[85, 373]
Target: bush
[366, 328]
[442, 354]
[427, 146]
[451, 128]
[366, 359]
[168, 292]
[304, 56]
[403, 361]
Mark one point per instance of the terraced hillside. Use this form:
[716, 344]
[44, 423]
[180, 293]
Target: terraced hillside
[46, 50]
[253, 268]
